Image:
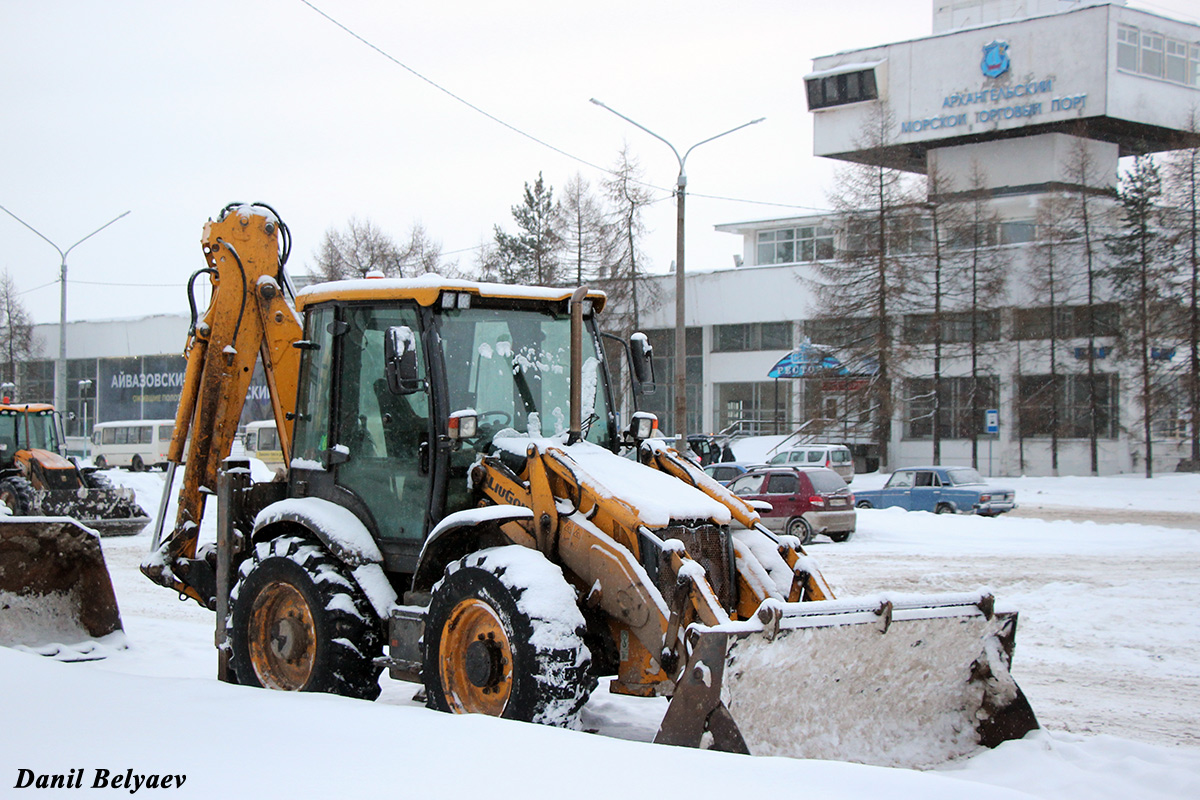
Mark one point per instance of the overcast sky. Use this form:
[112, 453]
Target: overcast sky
[170, 110]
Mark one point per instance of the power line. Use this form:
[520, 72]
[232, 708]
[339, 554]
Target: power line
[520, 132]
[43, 286]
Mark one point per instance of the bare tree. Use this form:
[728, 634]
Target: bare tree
[1081, 171]
[16, 330]
[1040, 399]
[983, 283]
[362, 247]
[587, 236]
[422, 254]
[628, 198]
[869, 285]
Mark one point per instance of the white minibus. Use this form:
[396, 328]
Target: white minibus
[135, 444]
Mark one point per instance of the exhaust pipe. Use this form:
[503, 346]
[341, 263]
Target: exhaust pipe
[575, 433]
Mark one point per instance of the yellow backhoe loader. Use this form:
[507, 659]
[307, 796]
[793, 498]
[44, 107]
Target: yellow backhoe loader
[456, 492]
[56, 597]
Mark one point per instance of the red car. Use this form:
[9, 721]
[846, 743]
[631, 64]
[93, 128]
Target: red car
[804, 502]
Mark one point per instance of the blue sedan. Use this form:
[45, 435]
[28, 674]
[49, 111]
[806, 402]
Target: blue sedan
[942, 490]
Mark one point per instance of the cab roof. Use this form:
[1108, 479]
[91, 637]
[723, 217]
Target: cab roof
[426, 289]
[22, 408]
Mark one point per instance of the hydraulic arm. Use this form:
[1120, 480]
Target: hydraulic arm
[248, 316]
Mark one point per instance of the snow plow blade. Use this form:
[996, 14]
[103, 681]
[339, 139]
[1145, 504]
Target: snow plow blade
[108, 511]
[56, 596]
[886, 680]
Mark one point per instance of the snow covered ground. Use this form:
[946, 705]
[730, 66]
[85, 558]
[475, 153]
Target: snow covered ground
[1108, 652]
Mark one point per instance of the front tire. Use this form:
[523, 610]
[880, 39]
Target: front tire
[504, 637]
[17, 493]
[800, 528]
[299, 622]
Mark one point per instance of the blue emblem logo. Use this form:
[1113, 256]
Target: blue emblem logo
[995, 59]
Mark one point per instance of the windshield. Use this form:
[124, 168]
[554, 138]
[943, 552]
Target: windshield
[36, 430]
[964, 476]
[513, 367]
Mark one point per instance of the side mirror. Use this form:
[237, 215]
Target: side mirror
[641, 357]
[400, 359]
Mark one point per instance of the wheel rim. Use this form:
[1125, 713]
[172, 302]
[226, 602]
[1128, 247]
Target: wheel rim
[282, 638]
[475, 660]
[799, 528]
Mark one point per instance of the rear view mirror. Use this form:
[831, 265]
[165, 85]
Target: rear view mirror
[641, 357]
[400, 360]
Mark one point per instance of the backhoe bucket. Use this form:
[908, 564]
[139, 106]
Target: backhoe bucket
[56, 597]
[905, 682]
[108, 511]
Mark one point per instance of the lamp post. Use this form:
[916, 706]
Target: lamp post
[680, 324]
[85, 393]
[60, 365]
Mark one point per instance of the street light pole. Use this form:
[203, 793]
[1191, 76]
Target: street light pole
[60, 365]
[680, 321]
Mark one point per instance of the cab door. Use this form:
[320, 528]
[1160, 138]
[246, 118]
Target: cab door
[382, 454]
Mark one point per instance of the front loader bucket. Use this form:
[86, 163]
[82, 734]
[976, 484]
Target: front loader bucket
[56, 596]
[905, 682]
[108, 511]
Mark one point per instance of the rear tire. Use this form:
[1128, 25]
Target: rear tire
[299, 622]
[800, 528]
[17, 493]
[944, 508]
[136, 465]
[504, 637]
[864, 504]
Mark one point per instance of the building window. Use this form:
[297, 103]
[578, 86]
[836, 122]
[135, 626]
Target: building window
[795, 245]
[1036, 396]
[1018, 232]
[1169, 419]
[754, 408]
[1070, 322]
[1177, 59]
[962, 406]
[752, 336]
[1153, 54]
[847, 332]
[956, 327]
[838, 90]
[1127, 48]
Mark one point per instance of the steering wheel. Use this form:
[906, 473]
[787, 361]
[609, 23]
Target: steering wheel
[505, 417]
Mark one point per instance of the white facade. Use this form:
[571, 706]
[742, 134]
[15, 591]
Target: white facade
[1004, 96]
[1106, 72]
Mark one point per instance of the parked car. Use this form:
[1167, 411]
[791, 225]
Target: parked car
[942, 490]
[725, 471]
[803, 501]
[836, 457]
